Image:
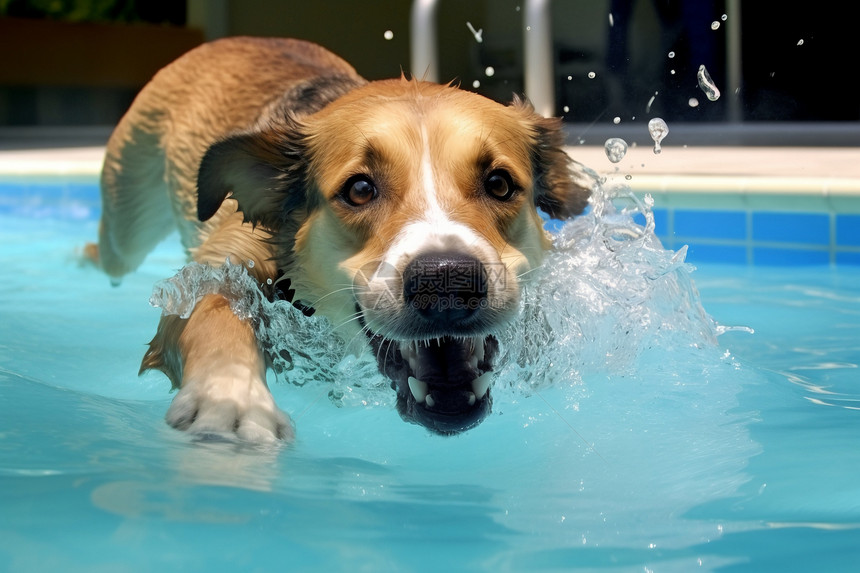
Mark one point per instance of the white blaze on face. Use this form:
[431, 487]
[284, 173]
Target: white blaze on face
[435, 231]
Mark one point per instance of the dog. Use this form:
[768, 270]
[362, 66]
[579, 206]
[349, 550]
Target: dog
[405, 212]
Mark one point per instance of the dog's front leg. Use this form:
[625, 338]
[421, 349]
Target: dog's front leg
[215, 361]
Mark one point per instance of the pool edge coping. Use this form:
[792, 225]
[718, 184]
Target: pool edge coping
[86, 162]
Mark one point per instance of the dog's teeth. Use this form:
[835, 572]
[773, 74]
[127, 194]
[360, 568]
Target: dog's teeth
[478, 345]
[418, 388]
[476, 351]
[409, 353]
[481, 384]
[430, 401]
[472, 399]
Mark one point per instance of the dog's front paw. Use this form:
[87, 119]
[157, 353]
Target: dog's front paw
[226, 404]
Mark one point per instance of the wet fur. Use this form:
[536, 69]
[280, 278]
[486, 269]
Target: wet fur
[276, 127]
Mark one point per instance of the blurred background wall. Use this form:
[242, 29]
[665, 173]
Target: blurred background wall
[79, 63]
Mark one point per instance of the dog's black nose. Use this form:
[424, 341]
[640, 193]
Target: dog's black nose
[445, 288]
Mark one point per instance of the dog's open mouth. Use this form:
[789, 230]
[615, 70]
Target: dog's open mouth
[442, 384]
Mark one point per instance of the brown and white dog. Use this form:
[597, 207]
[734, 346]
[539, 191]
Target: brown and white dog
[404, 212]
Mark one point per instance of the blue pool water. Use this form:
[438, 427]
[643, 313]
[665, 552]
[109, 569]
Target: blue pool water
[678, 452]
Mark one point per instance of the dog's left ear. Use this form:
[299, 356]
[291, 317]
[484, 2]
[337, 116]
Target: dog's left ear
[559, 190]
[263, 171]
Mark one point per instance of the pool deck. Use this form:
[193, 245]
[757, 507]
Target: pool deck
[679, 175]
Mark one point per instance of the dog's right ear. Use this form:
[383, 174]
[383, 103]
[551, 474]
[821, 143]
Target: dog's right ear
[263, 171]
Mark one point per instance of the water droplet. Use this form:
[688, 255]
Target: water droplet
[490, 71]
[616, 120]
[528, 28]
[693, 102]
[628, 177]
[650, 101]
[724, 17]
[715, 25]
[268, 281]
[591, 75]
[565, 109]
[476, 84]
[569, 78]
[658, 130]
[250, 264]
[800, 42]
[672, 72]
[478, 34]
[611, 20]
[707, 84]
[616, 149]
[388, 35]
[671, 54]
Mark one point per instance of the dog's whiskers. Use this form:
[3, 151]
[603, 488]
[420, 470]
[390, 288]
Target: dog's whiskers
[331, 293]
[528, 272]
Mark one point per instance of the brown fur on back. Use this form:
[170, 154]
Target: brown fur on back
[149, 178]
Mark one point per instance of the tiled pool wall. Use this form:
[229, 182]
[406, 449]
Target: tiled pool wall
[743, 228]
[761, 237]
[764, 228]
[71, 197]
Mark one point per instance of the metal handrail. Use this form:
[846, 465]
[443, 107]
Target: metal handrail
[424, 53]
[538, 52]
[537, 71]
[538, 57]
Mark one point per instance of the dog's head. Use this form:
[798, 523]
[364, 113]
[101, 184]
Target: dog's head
[406, 212]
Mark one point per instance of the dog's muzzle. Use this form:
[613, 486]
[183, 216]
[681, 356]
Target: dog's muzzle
[443, 371]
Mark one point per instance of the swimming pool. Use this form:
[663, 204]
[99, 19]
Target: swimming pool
[648, 451]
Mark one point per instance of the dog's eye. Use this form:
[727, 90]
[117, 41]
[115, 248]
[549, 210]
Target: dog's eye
[499, 185]
[359, 190]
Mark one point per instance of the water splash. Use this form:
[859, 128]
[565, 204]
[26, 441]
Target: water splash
[279, 326]
[616, 149]
[658, 130]
[607, 294]
[707, 84]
